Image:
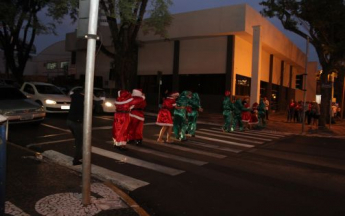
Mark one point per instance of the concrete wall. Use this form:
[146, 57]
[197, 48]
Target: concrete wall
[156, 56]
[203, 56]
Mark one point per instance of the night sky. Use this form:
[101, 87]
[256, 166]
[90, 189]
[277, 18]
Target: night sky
[180, 6]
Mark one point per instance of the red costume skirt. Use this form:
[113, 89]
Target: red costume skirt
[135, 129]
[246, 116]
[164, 118]
[120, 128]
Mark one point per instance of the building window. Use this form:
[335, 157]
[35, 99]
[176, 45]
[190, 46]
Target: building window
[242, 85]
[64, 65]
[51, 65]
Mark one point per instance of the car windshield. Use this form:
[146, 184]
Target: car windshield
[48, 89]
[11, 94]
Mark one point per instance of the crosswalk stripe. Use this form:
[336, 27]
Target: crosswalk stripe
[123, 181]
[225, 141]
[137, 162]
[49, 142]
[214, 146]
[185, 149]
[230, 142]
[232, 135]
[256, 134]
[166, 155]
[269, 133]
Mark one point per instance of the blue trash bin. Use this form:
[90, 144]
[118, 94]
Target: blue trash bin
[3, 136]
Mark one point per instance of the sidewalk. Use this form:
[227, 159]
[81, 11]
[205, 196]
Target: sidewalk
[40, 187]
[277, 122]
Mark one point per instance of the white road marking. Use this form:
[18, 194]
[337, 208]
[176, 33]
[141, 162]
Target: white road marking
[185, 149]
[57, 128]
[102, 128]
[52, 135]
[269, 133]
[105, 118]
[257, 134]
[192, 142]
[49, 142]
[225, 141]
[230, 137]
[137, 162]
[101, 173]
[166, 155]
[231, 134]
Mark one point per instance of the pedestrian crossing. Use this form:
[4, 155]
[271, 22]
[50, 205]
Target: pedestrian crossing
[208, 145]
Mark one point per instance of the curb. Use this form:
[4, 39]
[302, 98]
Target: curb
[127, 199]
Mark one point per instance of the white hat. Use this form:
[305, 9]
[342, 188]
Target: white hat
[137, 92]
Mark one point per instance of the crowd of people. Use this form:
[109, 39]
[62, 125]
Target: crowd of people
[239, 113]
[311, 112]
[178, 113]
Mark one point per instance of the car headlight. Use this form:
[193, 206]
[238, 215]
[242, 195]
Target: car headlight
[108, 104]
[48, 101]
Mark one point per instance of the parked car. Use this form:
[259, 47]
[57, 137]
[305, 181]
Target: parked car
[18, 108]
[101, 100]
[48, 95]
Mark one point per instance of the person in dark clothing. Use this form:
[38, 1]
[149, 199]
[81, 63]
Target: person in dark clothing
[75, 124]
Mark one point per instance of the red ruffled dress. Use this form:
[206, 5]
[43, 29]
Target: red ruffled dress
[121, 118]
[254, 114]
[164, 115]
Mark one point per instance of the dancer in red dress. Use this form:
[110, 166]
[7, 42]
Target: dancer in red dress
[246, 113]
[164, 118]
[136, 124]
[121, 119]
[254, 120]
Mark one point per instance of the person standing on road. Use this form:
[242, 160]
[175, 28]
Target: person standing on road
[195, 105]
[291, 110]
[121, 119]
[262, 113]
[136, 123]
[267, 105]
[315, 115]
[164, 117]
[180, 116]
[228, 109]
[75, 124]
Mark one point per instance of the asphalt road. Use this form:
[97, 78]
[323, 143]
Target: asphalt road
[249, 173]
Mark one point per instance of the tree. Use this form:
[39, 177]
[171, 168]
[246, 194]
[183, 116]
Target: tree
[323, 22]
[20, 24]
[125, 18]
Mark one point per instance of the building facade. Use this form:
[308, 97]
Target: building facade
[209, 51]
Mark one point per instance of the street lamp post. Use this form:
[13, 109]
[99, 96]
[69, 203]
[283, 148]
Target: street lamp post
[305, 84]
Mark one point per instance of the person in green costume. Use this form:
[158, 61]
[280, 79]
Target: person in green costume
[262, 113]
[180, 116]
[192, 116]
[228, 108]
[238, 108]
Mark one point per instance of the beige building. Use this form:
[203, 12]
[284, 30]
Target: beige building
[209, 51]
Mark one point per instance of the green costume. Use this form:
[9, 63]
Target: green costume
[262, 114]
[238, 108]
[180, 116]
[194, 103]
[228, 109]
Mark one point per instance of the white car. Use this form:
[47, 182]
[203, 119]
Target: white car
[101, 101]
[48, 95]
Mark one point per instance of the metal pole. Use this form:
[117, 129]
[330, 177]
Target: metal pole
[330, 101]
[342, 101]
[305, 83]
[89, 74]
